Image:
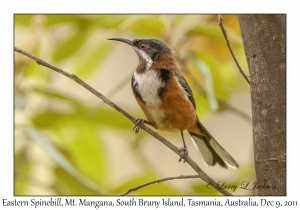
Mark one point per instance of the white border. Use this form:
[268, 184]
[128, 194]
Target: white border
[8, 8]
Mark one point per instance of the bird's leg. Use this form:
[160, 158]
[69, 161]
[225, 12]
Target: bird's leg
[138, 123]
[183, 149]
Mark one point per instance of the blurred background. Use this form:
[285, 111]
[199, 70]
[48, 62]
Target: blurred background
[67, 142]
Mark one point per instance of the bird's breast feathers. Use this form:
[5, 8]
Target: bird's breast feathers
[163, 100]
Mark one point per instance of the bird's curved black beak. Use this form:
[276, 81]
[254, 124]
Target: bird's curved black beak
[127, 41]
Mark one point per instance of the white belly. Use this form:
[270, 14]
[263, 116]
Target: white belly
[148, 85]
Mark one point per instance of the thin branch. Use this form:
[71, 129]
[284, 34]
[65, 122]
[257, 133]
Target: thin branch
[158, 181]
[231, 51]
[179, 152]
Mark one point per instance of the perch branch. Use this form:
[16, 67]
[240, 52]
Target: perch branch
[158, 181]
[231, 51]
[199, 171]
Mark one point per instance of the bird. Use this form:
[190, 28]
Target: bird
[167, 100]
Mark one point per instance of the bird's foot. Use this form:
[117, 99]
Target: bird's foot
[185, 153]
[138, 123]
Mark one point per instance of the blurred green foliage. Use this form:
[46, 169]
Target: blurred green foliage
[59, 142]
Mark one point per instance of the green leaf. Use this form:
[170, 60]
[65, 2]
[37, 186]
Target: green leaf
[87, 152]
[23, 19]
[102, 116]
[108, 117]
[54, 95]
[209, 30]
[78, 136]
[66, 184]
[22, 168]
[101, 21]
[147, 26]
[209, 84]
[59, 19]
[108, 21]
[220, 84]
[202, 104]
[71, 44]
[86, 64]
[32, 70]
[46, 119]
[60, 159]
[213, 31]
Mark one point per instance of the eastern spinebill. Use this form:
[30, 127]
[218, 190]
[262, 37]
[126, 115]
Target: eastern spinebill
[167, 100]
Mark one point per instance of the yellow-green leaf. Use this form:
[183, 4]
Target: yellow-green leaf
[148, 26]
[70, 45]
[89, 62]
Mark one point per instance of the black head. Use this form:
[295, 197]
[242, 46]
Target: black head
[148, 50]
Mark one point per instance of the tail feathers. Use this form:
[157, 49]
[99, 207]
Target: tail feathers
[211, 151]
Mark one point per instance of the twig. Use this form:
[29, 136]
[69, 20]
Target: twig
[201, 173]
[158, 181]
[231, 51]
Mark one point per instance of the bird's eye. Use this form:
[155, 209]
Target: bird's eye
[144, 46]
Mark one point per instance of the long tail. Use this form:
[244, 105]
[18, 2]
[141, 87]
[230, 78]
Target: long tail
[211, 151]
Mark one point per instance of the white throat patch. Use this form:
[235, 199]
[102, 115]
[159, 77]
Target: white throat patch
[146, 57]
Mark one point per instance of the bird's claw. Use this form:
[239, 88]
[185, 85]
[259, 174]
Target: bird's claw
[185, 153]
[138, 123]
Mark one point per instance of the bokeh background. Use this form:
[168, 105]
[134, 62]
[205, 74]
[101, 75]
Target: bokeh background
[67, 142]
